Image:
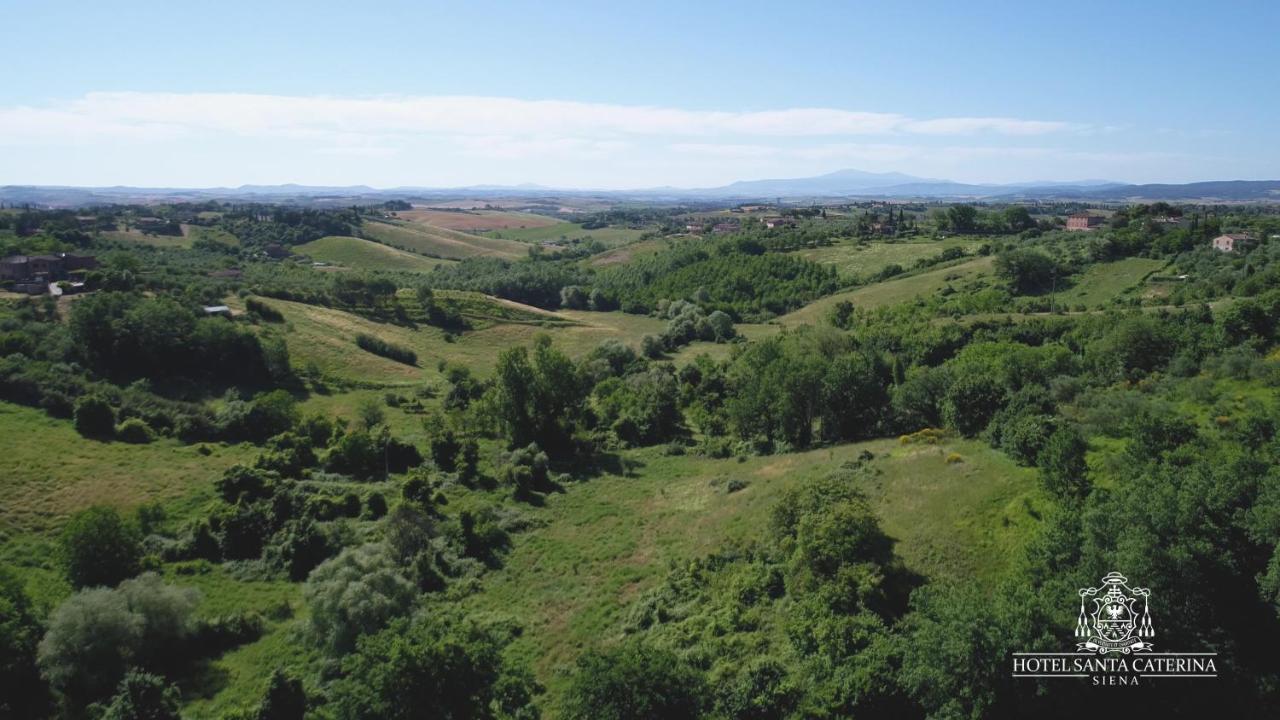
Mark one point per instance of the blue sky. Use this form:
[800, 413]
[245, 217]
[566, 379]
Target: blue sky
[607, 95]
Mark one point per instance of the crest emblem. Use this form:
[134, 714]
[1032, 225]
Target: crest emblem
[1115, 624]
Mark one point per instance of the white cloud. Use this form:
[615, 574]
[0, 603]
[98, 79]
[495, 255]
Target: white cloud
[725, 150]
[358, 120]
[1001, 126]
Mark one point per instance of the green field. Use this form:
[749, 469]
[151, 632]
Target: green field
[607, 540]
[215, 234]
[853, 259]
[891, 292]
[137, 238]
[50, 471]
[612, 236]
[441, 243]
[324, 336]
[1102, 282]
[359, 254]
[629, 252]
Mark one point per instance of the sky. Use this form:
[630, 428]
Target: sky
[614, 95]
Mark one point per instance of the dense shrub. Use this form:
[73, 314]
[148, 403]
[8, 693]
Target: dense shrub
[25, 695]
[100, 548]
[388, 350]
[435, 666]
[135, 431]
[142, 696]
[634, 682]
[94, 416]
[96, 634]
[356, 593]
[285, 698]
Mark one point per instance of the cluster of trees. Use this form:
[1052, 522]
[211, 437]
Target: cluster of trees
[257, 226]
[735, 276]
[126, 336]
[820, 619]
[118, 641]
[536, 281]
[78, 368]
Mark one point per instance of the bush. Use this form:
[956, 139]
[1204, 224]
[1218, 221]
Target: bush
[142, 696]
[285, 698]
[135, 431]
[96, 634]
[356, 593]
[375, 507]
[263, 310]
[94, 417]
[391, 351]
[219, 634]
[434, 667]
[25, 692]
[100, 548]
[634, 682]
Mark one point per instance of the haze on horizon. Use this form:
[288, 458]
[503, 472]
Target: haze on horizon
[573, 95]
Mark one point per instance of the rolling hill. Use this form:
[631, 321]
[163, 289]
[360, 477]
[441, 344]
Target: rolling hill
[360, 254]
[440, 242]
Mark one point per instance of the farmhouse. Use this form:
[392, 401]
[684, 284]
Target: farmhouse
[1232, 242]
[777, 221]
[44, 267]
[1084, 221]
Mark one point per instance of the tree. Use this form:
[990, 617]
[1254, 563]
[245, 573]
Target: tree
[1027, 271]
[963, 218]
[436, 666]
[444, 450]
[1062, 464]
[853, 395]
[539, 399]
[100, 548]
[94, 417]
[841, 315]
[1018, 218]
[142, 696]
[26, 695]
[634, 682]
[285, 698]
[97, 634]
[971, 401]
[470, 469]
[370, 413]
[356, 593]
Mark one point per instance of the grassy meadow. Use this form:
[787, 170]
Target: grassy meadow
[854, 259]
[605, 541]
[1099, 284]
[893, 291]
[50, 471]
[611, 236]
[439, 242]
[476, 221]
[360, 254]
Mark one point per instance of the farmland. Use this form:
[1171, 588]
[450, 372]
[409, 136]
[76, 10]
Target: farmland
[894, 290]
[609, 236]
[861, 260]
[439, 242]
[360, 254]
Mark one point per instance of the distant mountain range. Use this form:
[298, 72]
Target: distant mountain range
[839, 184]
